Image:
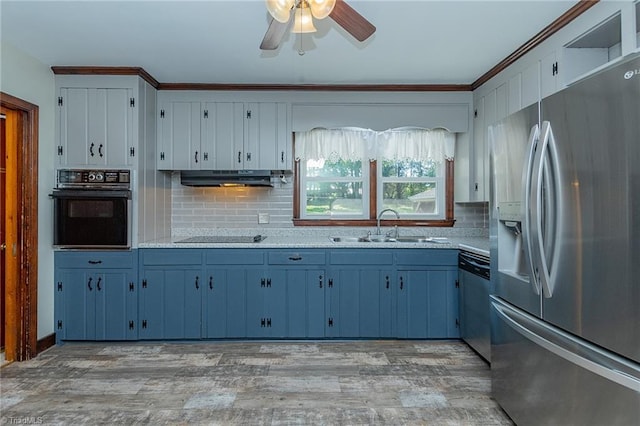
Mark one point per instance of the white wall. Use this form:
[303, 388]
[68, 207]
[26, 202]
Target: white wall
[26, 78]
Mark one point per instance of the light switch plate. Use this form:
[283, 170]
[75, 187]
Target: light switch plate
[263, 217]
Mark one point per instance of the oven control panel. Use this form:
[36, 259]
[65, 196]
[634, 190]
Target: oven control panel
[68, 178]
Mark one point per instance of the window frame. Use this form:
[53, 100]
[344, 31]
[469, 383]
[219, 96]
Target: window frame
[448, 220]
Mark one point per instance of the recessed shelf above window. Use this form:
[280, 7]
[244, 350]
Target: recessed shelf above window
[598, 46]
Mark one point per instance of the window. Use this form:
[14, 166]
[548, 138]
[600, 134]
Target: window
[347, 176]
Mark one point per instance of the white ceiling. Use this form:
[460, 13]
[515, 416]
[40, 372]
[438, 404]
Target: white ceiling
[215, 41]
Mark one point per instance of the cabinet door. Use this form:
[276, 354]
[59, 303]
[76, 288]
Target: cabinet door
[181, 125]
[266, 303]
[77, 298]
[427, 304]
[305, 310]
[360, 303]
[95, 126]
[171, 304]
[265, 142]
[227, 131]
[481, 153]
[224, 303]
[115, 306]
[549, 71]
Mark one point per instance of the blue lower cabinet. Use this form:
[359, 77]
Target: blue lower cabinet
[305, 303]
[95, 296]
[266, 304]
[171, 303]
[224, 310]
[427, 303]
[359, 303]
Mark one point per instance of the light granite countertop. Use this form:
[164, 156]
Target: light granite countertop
[470, 239]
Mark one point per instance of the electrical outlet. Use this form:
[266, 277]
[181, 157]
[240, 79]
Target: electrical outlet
[263, 217]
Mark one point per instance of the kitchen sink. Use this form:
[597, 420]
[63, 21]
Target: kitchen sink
[385, 239]
[349, 239]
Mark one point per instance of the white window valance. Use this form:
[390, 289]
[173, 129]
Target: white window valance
[394, 144]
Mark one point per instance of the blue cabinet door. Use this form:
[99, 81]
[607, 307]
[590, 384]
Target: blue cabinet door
[266, 303]
[360, 302]
[171, 303]
[427, 303]
[115, 307]
[224, 303]
[77, 296]
[305, 304]
[95, 295]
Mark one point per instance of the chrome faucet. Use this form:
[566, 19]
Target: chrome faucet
[380, 215]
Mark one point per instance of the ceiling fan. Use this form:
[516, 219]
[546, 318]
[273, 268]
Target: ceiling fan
[305, 10]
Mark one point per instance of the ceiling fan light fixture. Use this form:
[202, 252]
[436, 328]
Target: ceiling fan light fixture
[303, 20]
[320, 9]
[280, 9]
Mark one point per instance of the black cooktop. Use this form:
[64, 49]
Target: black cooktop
[223, 239]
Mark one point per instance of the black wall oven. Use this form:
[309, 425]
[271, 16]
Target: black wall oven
[92, 209]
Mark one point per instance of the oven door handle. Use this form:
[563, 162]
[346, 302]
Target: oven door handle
[90, 193]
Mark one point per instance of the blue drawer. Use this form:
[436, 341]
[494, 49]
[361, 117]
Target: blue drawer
[297, 257]
[427, 257]
[162, 257]
[95, 259]
[361, 257]
[234, 257]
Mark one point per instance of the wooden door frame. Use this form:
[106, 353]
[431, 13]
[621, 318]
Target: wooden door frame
[22, 292]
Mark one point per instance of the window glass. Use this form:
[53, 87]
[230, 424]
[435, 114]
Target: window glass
[412, 188]
[333, 189]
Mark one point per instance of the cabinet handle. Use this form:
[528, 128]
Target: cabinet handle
[387, 281]
[248, 156]
[162, 156]
[91, 149]
[263, 282]
[205, 156]
[320, 279]
[239, 157]
[295, 258]
[196, 157]
[263, 322]
[401, 283]
[89, 284]
[98, 284]
[95, 262]
[100, 151]
[197, 283]
[282, 156]
[268, 282]
[268, 322]
[211, 283]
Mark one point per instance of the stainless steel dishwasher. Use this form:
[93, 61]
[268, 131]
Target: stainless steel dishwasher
[475, 285]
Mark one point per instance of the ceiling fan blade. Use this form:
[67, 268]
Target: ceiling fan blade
[274, 35]
[354, 23]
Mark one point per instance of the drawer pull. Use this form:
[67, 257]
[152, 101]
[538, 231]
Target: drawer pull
[295, 258]
[95, 262]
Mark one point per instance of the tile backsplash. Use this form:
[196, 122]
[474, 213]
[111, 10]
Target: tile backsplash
[194, 207]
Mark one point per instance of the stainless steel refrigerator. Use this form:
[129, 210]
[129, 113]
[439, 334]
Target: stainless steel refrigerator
[565, 254]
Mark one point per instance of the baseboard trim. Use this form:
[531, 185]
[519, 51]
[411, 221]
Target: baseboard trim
[45, 343]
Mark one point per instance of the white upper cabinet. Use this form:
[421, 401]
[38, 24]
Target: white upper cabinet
[95, 127]
[223, 136]
[266, 141]
[179, 136]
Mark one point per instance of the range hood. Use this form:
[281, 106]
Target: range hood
[226, 178]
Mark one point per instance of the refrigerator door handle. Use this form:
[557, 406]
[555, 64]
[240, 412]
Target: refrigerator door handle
[527, 176]
[549, 199]
[564, 345]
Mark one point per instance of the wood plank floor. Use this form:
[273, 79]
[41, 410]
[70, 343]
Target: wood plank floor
[251, 383]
